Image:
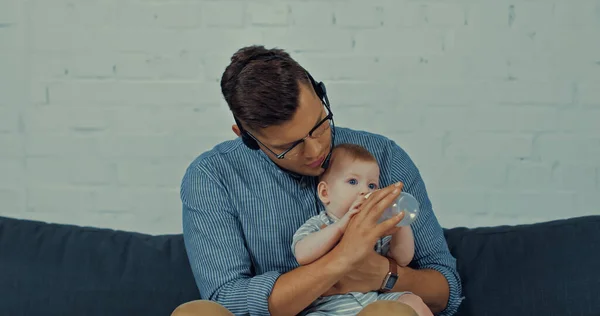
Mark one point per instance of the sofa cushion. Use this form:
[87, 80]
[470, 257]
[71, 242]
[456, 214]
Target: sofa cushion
[550, 268]
[51, 269]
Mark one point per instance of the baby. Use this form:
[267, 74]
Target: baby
[353, 173]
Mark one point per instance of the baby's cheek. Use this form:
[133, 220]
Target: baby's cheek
[351, 200]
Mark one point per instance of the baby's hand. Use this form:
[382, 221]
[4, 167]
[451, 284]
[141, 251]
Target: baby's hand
[357, 203]
[354, 208]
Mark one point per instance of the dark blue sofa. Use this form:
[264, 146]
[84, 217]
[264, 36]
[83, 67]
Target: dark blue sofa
[550, 269]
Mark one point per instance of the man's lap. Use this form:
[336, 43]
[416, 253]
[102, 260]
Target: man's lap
[379, 304]
[201, 308]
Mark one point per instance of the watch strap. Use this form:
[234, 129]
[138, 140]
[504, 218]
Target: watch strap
[393, 266]
[392, 272]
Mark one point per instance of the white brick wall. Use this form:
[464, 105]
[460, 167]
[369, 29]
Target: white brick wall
[102, 103]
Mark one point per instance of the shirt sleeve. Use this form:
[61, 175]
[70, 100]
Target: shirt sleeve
[312, 225]
[214, 241]
[431, 249]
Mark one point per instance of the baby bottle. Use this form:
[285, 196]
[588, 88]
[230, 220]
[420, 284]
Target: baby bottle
[404, 203]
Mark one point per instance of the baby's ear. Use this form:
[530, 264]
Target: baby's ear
[322, 191]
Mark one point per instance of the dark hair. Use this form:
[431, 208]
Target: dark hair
[260, 86]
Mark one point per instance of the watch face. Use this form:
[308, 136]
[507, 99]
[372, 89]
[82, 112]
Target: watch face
[391, 281]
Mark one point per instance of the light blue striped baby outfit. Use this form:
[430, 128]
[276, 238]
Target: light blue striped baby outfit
[347, 304]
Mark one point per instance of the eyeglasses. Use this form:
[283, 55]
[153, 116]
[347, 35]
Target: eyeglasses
[297, 147]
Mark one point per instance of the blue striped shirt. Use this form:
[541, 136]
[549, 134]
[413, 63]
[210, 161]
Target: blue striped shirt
[240, 212]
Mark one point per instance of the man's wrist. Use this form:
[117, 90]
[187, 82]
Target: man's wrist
[384, 269]
[390, 275]
[337, 263]
[402, 284]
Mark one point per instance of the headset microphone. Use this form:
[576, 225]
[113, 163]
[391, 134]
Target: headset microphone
[325, 163]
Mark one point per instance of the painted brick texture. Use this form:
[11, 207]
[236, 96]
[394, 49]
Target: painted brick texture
[104, 103]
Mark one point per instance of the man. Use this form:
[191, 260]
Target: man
[244, 199]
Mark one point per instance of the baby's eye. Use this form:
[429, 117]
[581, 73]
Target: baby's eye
[372, 186]
[353, 181]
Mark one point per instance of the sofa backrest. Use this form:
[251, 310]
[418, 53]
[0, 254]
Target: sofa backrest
[51, 269]
[550, 268]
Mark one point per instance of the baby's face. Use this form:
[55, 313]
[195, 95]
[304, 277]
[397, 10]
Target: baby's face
[349, 180]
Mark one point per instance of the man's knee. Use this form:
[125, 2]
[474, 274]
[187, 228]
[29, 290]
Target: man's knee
[416, 303]
[383, 307]
[201, 308]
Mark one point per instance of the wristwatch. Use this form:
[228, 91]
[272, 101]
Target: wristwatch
[390, 278]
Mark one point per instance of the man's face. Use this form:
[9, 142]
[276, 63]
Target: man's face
[306, 158]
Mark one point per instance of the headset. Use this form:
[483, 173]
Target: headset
[321, 92]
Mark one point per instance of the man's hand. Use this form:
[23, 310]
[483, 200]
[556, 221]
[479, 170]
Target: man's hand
[366, 277]
[355, 252]
[363, 231]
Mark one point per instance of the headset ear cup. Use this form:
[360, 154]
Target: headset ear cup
[246, 139]
[322, 90]
[249, 142]
[319, 87]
